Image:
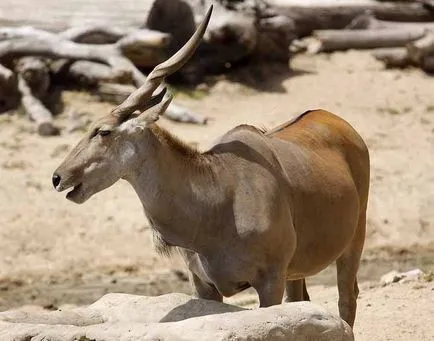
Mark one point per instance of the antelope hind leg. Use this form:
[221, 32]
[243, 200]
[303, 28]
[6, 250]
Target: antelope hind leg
[347, 266]
[296, 291]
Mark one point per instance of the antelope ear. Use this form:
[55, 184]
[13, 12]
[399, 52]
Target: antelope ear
[153, 114]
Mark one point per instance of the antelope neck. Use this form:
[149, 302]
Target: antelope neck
[173, 182]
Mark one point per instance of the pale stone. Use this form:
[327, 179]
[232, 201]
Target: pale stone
[174, 317]
[402, 277]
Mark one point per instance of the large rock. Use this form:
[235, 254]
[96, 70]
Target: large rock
[173, 317]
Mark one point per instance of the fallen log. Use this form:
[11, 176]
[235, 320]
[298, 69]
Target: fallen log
[175, 17]
[50, 45]
[312, 15]
[114, 93]
[419, 49]
[393, 57]
[238, 31]
[274, 37]
[144, 45]
[145, 48]
[9, 94]
[179, 113]
[87, 73]
[427, 4]
[117, 93]
[36, 73]
[41, 43]
[7, 77]
[336, 40]
[95, 34]
[36, 110]
[368, 21]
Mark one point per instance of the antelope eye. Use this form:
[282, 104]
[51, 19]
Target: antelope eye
[104, 132]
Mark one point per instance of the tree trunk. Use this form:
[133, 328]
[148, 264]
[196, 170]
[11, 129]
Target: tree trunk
[335, 40]
[237, 32]
[36, 110]
[309, 16]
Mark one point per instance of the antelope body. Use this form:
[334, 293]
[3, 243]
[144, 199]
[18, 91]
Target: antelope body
[260, 209]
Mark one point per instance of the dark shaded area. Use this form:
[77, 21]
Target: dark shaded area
[196, 308]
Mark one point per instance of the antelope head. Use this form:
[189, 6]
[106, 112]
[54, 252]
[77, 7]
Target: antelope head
[106, 153]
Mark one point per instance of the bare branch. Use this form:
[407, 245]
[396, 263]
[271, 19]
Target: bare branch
[334, 40]
[36, 110]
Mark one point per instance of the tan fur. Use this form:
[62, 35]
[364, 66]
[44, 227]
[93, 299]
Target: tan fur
[261, 209]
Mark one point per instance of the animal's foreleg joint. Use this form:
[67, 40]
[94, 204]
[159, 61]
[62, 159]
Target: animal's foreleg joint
[270, 289]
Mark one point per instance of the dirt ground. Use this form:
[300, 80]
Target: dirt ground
[54, 252]
[397, 312]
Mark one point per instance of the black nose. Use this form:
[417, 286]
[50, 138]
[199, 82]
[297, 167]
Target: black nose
[56, 180]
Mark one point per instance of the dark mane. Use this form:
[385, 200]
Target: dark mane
[175, 143]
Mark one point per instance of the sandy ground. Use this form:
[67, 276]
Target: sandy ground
[397, 312]
[54, 252]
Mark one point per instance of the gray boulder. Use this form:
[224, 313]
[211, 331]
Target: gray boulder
[173, 317]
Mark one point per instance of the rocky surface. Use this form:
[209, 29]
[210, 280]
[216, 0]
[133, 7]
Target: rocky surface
[173, 317]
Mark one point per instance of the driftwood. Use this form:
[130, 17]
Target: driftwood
[41, 43]
[95, 34]
[309, 16]
[422, 48]
[335, 40]
[419, 53]
[117, 93]
[87, 73]
[93, 63]
[239, 31]
[368, 21]
[36, 110]
[35, 72]
[7, 78]
[9, 95]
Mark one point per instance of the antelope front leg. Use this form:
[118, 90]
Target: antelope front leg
[270, 289]
[205, 290]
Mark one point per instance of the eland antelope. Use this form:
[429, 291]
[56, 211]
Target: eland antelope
[261, 209]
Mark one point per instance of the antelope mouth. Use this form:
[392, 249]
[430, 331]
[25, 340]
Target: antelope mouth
[74, 194]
